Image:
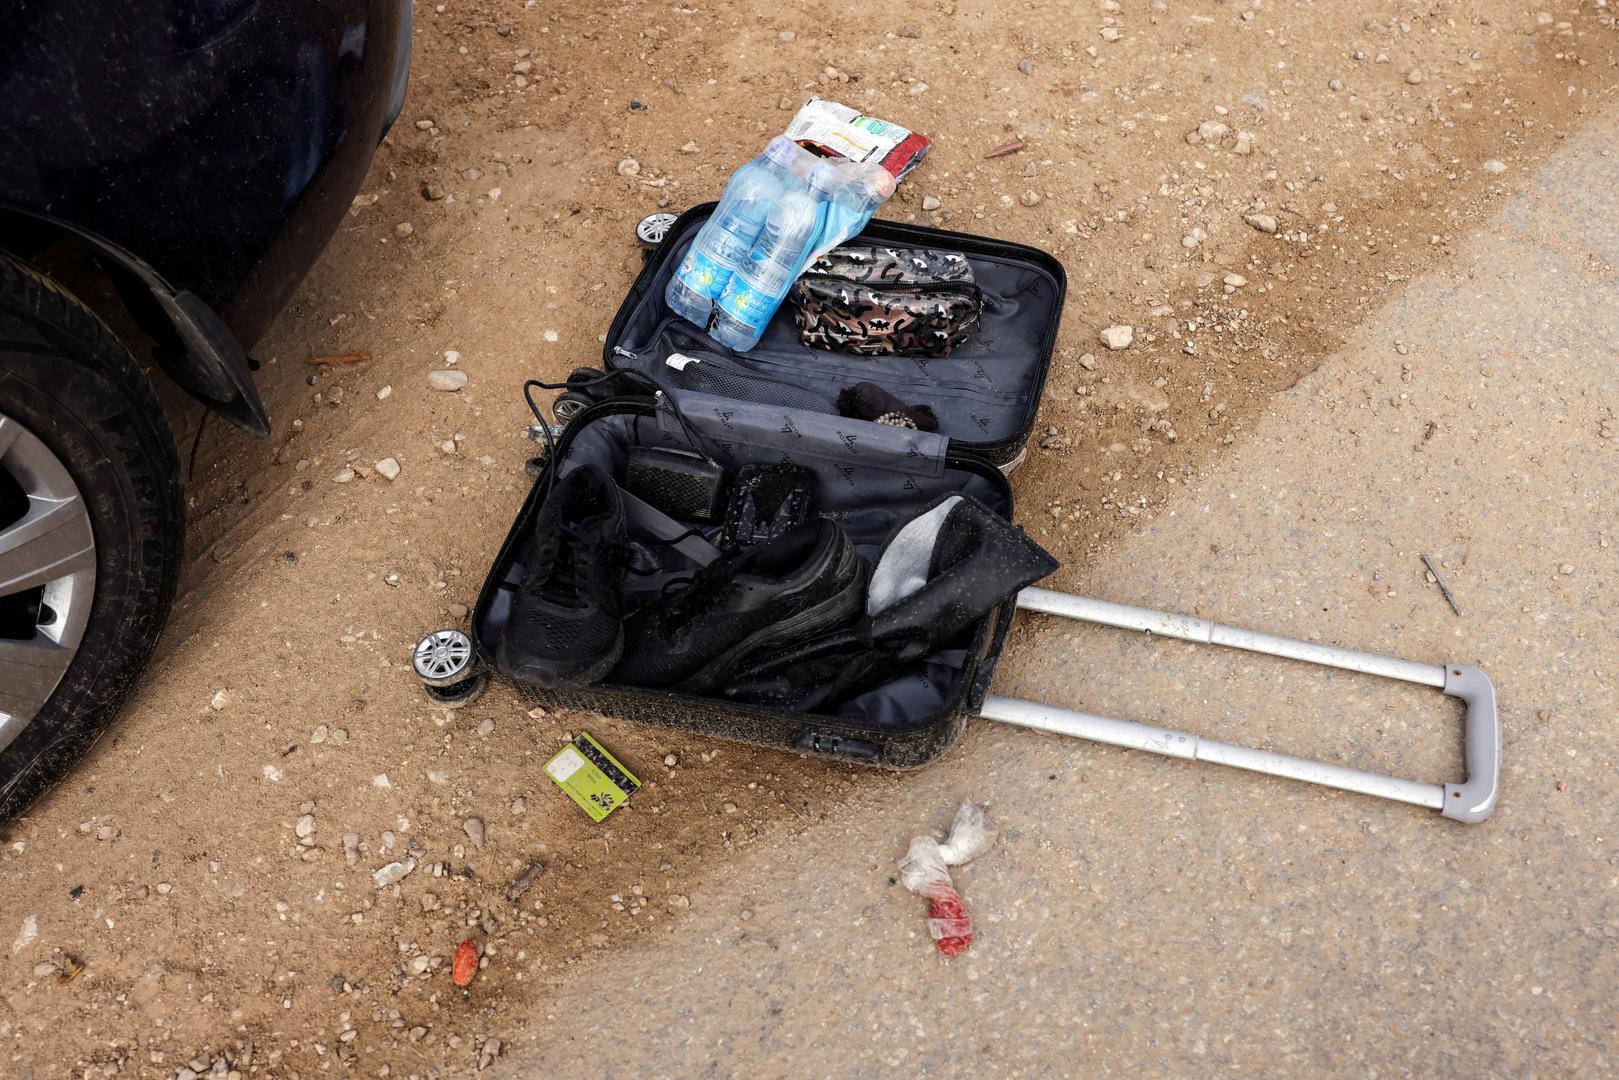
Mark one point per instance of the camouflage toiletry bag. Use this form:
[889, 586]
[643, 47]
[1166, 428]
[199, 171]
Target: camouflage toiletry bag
[887, 301]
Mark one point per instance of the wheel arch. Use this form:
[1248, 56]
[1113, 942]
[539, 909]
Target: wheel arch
[189, 341]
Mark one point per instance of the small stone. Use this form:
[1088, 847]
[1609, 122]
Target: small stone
[1212, 131]
[522, 881]
[391, 873]
[404, 229]
[787, 36]
[219, 701]
[343, 475]
[671, 760]
[689, 148]
[1026, 67]
[305, 827]
[44, 969]
[107, 833]
[488, 1053]
[384, 393]
[447, 380]
[1566, 569]
[929, 202]
[351, 847]
[522, 67]
[1118, 337]
[1263, 222]
[1414, 76]
[474, 830]
[424, 125]
[1245, 143]
[1494, 166]
[433, 192]
[1336, 85]
[389, 468]
[678, 902]
[418, 964]
[729, 807]
[1236, 281]
[164, 888]
[1088, 361]
[486, 726]
[629, 167]
[272, 774]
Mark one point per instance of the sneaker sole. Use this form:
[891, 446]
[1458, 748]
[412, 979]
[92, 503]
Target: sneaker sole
[841, 607]
[560, 678]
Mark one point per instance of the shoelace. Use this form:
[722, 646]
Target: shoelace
[562, 585]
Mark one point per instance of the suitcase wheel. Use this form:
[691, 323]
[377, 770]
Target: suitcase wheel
[569, 404]
[448, 667]
[652, 229]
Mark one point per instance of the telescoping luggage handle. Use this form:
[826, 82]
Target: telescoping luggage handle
[1470, 801]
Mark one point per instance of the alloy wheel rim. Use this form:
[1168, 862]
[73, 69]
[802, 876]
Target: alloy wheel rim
[442, 657]
[47, 575]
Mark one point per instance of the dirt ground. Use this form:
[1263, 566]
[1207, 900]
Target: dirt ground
[192, 873]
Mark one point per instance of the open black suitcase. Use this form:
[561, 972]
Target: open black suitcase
[777, 402]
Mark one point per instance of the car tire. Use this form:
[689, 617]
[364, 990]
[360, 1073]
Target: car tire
[84, 443]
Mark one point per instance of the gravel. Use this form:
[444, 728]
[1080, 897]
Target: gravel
[393, 872]
[929, 202]
[447, 380]
[1263, 222]
[389, 468]
[474, 830]
[1118, 337]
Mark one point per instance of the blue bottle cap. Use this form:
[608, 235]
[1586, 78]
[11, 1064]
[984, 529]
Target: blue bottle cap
[783, 151]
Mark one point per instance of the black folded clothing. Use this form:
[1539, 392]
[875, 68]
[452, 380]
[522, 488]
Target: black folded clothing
[938, 574]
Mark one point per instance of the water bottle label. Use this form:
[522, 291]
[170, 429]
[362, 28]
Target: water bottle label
[746, 304]
[701, 273]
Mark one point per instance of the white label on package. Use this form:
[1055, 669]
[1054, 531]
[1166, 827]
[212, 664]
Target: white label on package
[840, 128]
[565, 764]
[680, 361]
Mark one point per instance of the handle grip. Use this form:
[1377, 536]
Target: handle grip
[1474, 800]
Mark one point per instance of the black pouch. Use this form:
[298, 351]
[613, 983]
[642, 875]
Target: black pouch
[887, 301]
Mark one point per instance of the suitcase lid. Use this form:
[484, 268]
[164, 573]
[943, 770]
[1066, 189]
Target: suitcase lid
[986, 394]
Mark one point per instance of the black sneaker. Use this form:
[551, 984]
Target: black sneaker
[566, 627]
[805, 582]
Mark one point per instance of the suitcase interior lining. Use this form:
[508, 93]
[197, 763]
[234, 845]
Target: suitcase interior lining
[919, 696]
[984, 392]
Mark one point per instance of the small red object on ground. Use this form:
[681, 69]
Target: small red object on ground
[465, 965]
[948, 920]
[924, 871]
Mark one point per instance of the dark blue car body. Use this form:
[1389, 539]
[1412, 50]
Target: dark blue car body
[203, 150]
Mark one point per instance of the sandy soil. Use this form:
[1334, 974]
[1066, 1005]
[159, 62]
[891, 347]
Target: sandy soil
[169, 867]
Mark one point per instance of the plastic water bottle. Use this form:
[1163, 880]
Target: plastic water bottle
[860, 190]
[723, 243]
[791, 231]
